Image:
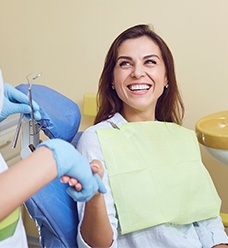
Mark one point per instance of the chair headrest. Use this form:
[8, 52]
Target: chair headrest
[60, 116]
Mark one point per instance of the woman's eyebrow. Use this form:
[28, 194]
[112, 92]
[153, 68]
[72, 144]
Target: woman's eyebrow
[145, 57]
[124, 57]
[151, 56]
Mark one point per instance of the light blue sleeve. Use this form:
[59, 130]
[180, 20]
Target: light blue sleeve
[211, 232]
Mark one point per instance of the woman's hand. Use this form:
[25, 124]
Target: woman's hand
[96, 167]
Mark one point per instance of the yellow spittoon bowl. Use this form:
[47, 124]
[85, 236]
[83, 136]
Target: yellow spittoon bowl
[212, 133]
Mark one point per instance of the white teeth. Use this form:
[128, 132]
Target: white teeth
[139, 87]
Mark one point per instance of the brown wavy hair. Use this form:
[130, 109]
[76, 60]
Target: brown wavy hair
[169, 108]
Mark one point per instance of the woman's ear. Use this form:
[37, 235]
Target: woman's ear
[166, 83]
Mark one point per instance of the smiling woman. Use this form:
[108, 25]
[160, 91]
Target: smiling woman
[135, 55]
[159, 193]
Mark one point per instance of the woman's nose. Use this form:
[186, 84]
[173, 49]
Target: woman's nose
[138, 71]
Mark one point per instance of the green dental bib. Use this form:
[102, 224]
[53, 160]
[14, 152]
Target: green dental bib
[156, 175]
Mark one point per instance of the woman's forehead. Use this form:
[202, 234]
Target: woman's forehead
[141, 45]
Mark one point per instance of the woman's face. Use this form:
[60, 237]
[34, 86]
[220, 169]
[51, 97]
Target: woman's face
[139, 77]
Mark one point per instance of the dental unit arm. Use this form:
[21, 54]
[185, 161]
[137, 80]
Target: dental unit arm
[29, 140]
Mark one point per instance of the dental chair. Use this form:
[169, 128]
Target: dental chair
[52, 209]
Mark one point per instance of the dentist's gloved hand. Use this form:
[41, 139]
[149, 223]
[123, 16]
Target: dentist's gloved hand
[16, 102]
[71, 163]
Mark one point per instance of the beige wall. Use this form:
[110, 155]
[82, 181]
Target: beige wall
[67, 41]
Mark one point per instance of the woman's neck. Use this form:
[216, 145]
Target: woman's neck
[136, 116]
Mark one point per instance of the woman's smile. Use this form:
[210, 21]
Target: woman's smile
[137, 87]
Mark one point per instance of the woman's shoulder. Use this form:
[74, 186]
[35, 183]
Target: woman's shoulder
[90, 132]
[117, 119]
[90, 135]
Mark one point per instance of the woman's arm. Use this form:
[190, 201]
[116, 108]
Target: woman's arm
[25, 178]
[95, 228]
[95, 222]
[98, 223]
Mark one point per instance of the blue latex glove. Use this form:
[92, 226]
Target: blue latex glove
[16, 102]
[71, 163]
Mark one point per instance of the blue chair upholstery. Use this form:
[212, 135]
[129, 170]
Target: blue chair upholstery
[60, 116]
[53, 210]
[55, 214]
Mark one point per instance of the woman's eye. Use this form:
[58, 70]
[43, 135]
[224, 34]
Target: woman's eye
[124, 63]
[150, 61]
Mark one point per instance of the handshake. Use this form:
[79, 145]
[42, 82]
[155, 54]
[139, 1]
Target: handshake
[75, 169]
